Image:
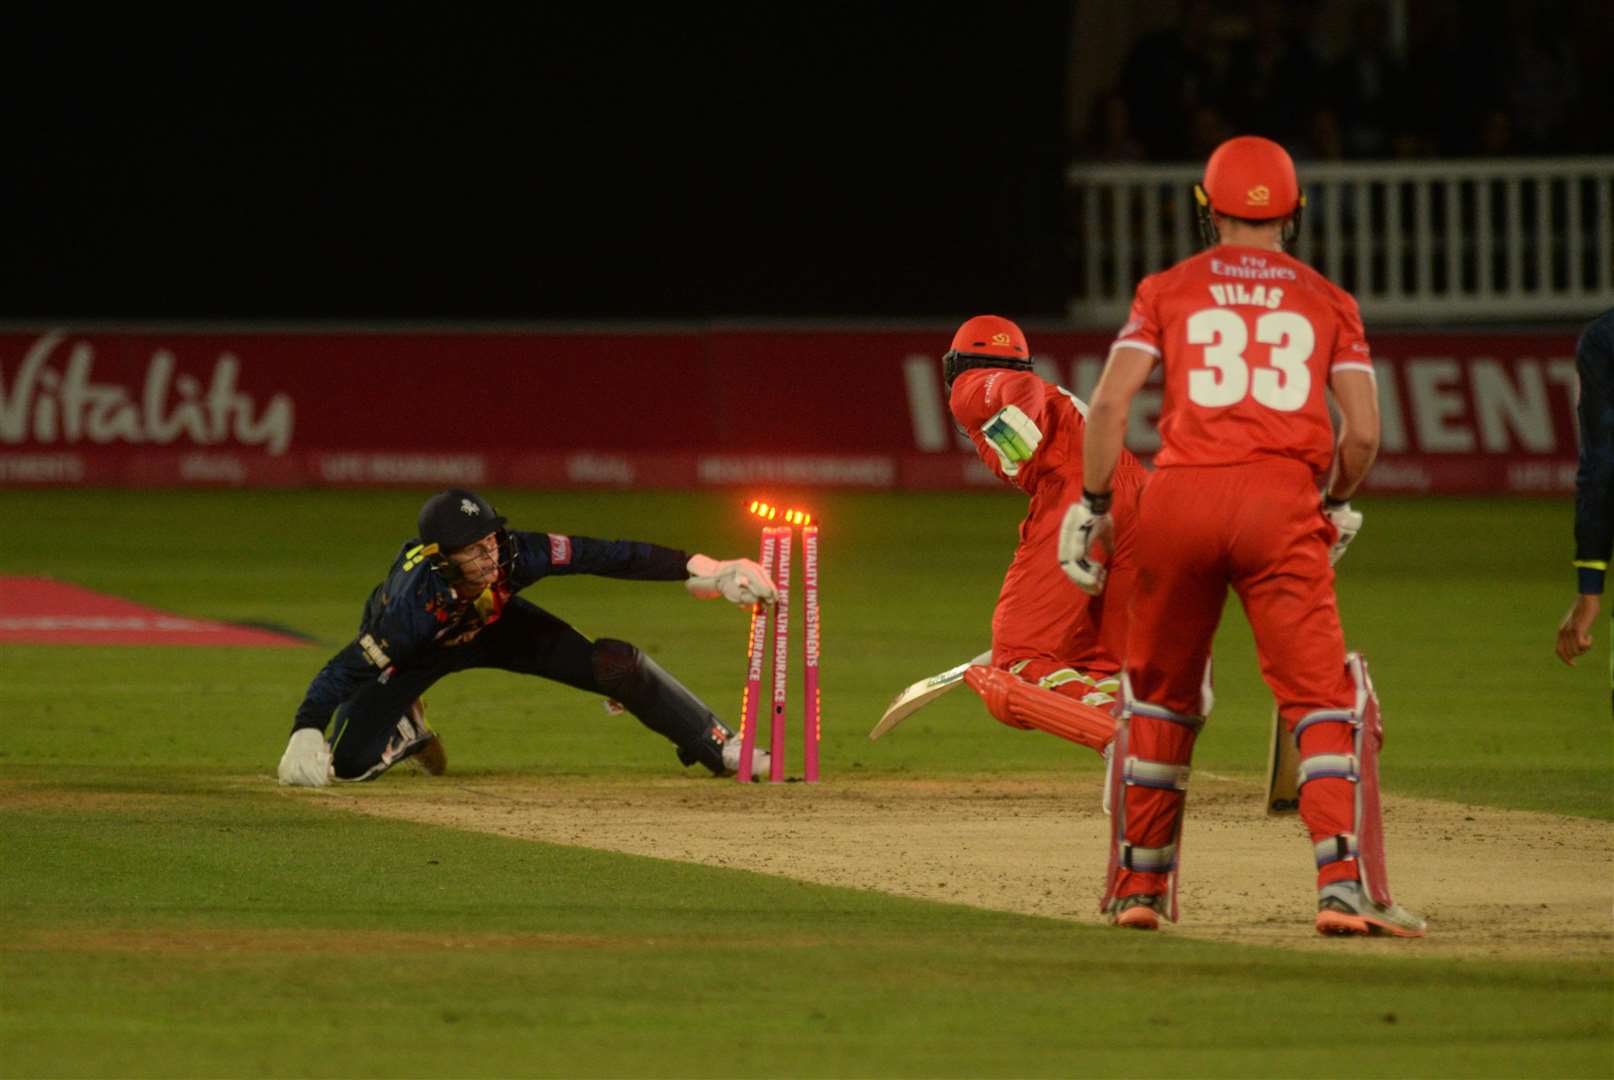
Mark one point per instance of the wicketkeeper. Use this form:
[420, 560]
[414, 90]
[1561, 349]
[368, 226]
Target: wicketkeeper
[449, 604]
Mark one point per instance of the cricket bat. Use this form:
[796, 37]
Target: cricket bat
[922, 693]
[1283, 763]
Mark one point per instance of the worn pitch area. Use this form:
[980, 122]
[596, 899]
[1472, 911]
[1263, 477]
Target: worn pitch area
[1493, 883]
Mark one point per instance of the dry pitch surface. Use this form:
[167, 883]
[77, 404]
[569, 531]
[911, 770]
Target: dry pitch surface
[1493, 883]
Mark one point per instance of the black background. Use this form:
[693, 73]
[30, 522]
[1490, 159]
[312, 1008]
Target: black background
[534, 163]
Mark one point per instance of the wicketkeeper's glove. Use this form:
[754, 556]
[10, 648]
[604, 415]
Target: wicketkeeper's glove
[1084, 539]
[307, 760]
[739, 581]
[1346, 522]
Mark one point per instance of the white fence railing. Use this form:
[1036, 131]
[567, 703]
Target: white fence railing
[1416, 242]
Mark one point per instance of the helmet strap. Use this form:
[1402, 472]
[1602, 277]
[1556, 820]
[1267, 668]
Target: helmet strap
[1202, 210]
[1291, 228]
[447, 569]
[441, 564]
[1212, 236]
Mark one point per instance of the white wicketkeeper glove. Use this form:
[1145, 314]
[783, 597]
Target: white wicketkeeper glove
[1012, 434]
[307, 760]
[1084, 533]
[739, 581]
[1347, 521]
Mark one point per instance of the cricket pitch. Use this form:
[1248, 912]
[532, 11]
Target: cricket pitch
[1502, 883]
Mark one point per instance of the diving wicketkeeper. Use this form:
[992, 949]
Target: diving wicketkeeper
[449, 604]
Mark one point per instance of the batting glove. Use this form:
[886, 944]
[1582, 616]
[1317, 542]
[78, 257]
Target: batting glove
[1347, 523]
[1013, 435]
[1083, 535]
[739, 581]
[307, 760]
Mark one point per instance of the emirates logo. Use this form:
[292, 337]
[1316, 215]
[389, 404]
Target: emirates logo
[1259, 195]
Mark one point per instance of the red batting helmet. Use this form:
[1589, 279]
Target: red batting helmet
[991, 335]
[1251, 178]
[986, 341]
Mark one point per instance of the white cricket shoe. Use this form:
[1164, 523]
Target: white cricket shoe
[1345, 909]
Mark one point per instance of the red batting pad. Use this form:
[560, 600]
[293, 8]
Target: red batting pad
[1021, 704]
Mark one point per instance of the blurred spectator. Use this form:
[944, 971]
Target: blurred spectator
[1272, 78]
[1208, 128]
[1368, 87]
[1495, 134]
[1458, 68]
[1109, 132]
[1544, 79]
[1324, 140]
[1591, 119]
[1514, 77]
[1166, 76]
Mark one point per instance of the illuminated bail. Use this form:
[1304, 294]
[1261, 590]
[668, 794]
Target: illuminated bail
[769, 512]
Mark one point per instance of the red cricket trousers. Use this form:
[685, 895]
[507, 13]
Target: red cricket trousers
[1259, 529]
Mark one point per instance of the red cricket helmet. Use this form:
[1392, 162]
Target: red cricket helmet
[1253, 179]
[986, 341]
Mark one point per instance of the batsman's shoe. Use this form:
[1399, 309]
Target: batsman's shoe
[760, 760]
[430, 759]
[1343, 908]
[1140, 911]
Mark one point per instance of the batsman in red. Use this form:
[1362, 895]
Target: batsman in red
[1251, 491]
[1055, 650]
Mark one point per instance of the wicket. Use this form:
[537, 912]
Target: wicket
[777, 541]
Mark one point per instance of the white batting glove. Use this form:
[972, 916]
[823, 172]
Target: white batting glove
[1347, 522]
[1083, 535]
[1012, 434]
[307, 760]
[739, 581]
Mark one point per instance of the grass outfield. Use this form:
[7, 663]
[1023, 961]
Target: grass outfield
[169, 911]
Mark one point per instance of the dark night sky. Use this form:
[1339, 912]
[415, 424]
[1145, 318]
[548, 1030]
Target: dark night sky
[856, 161]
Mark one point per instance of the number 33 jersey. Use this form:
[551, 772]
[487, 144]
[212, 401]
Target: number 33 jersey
[1249, 339]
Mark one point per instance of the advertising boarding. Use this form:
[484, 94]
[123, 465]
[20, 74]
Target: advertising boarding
[691, 407]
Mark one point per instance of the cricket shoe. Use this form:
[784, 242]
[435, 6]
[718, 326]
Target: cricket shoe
[1343, 909]
[760, 760]
[410, 737]
[1140, 911]
[430, 759]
